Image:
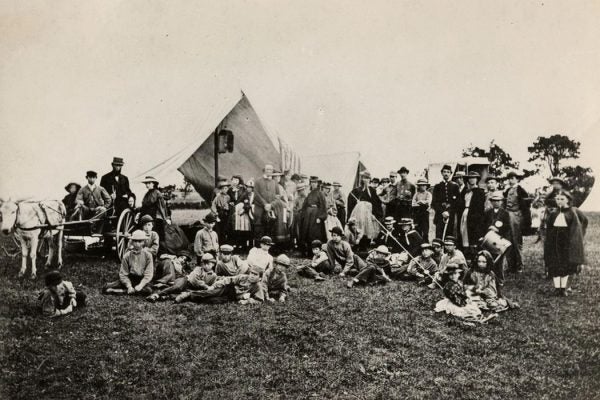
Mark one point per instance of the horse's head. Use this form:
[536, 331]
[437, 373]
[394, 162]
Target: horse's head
[8, 216]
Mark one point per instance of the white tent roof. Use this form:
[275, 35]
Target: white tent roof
[338, 167]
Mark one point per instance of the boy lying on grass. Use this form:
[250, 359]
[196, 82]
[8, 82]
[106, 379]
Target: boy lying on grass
[374, 271]
[200, 278]
[137, 269]
[244, 289]
[59, 297]
[170, 267]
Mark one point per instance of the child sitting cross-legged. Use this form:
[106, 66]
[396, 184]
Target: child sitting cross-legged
[319, 264]
[374, 272]
[200, 278]
[423, 267]
[481, 284]
[275, 279]
[59, 297]
[456, 301]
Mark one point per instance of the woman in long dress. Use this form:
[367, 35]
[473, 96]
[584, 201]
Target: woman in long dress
[240, 220]
[563, 248]
[314, 213]
[472, 215]
[365, 207]
[154, 205]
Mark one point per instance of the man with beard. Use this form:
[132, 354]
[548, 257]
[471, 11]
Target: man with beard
[117, 186]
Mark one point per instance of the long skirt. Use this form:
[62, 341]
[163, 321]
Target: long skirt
[557, 262]
[311, 230]
[365, 220]
[469, 310]
[280, 230]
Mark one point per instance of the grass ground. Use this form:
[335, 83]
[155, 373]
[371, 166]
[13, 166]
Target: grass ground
[325, 342]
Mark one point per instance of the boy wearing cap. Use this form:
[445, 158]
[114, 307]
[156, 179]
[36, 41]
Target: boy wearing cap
[259, 257]
[117, 185]
[421, 204]
[340, 253]
[220, 207]
[374, 268]
[228, 264]
[409, 239]
[200, 278]
[170, 267]
[437, 246]
[423, 267]
[405, 191]
[445, 202]
[275, 280]
[388, 236]
[93, 200]
[245, 289]
[319, 264]
[59, 297]
[137, 269]
[206, 240]
[340, 201]
[152, 239]
[491, 183]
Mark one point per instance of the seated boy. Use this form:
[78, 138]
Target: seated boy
[200, 278]
[151, 243]
[341, 255]
[423, 267]
[260, 257]
[319, 264]
[59, 297]
[275, 280]
[137, 269]
[228, 264]
[409, 239]
[438, 250]
[245, 289]
[374, 271]
[170, 267]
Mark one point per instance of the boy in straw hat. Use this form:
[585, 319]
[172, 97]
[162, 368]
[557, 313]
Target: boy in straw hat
[374, 270]
[275, 280]
[388, 236]
[137, 269]
[421, 204]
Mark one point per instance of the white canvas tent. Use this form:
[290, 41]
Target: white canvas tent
[465, 164]
[254, 147]
[344, 168]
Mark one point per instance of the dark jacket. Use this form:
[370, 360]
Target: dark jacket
[413, 244]
[491, 218]
[120, 188]
[446, 197]
[475, 218]
[524, 204]
[577, 223]
[391, 241]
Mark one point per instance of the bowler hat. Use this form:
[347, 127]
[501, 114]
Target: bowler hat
[458, 174]
[403, 170]
[145, 219]
[446, 167]
[326, 184]
[77, 185]
[210, 218]
[513, 174]
[266, 240]
[336, 230]
[314, 178]
[117, 161]
[91, 174]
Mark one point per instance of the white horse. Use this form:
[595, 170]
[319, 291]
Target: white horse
[25, 219]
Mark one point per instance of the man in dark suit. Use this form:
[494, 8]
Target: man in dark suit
[446, 198]
[117, 186]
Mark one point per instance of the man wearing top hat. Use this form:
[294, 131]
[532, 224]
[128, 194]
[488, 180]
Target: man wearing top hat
[445, 202]
[117, 186]
[405, 191]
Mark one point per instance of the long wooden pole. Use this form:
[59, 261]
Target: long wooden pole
[216, 155]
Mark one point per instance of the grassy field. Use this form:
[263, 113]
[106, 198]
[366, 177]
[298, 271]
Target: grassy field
[326, 342]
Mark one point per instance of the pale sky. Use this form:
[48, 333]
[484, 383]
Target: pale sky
[403, 82]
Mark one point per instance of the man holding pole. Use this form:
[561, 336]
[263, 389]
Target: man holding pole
[445, 201]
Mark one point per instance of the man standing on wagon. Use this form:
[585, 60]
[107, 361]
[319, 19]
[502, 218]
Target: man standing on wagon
[117, 186]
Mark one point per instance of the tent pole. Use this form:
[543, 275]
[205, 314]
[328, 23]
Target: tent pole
[216, 158]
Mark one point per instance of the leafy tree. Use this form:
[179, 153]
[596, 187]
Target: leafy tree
[552, 151]
[500, 160]
[579, 181]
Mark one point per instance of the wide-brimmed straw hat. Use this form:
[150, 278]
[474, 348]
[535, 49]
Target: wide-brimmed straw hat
[150, 179]
[77, 185]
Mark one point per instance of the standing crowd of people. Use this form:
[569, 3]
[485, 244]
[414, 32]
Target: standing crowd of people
[378, 233]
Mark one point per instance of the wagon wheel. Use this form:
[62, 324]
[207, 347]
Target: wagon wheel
[125, 226]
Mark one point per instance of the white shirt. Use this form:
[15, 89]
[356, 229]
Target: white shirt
[560, 220]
